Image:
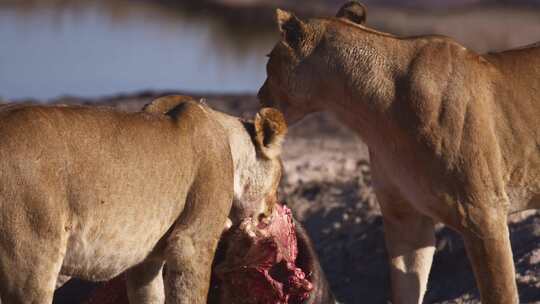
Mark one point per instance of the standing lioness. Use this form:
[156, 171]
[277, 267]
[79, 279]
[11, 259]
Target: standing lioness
[454, 136]
[91, 192]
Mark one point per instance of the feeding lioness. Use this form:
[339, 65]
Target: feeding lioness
[91, 192]
[454, 136]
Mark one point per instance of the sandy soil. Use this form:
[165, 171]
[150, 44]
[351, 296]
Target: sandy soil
[327, 184]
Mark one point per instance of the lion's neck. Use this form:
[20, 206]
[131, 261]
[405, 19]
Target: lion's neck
[374, 73]
[243, 151]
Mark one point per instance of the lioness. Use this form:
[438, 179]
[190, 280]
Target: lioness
[92, 192]
[454, 136]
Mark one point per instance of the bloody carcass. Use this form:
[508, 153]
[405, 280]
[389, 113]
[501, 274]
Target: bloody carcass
[259, 265]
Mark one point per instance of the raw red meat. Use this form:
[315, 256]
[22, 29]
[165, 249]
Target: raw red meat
[260, 263]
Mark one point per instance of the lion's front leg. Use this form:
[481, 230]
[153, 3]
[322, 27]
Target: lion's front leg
[487, 242]
[62, 279]
[410, 241]
[192, 243]
[188, 270]
[145, 283]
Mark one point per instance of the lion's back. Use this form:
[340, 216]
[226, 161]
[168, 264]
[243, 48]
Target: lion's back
[104, 176]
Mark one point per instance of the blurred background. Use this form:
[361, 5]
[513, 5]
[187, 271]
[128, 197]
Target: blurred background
[53, 48]
[124, 53]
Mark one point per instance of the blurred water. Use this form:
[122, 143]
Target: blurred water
[95, 48]
[50, 48]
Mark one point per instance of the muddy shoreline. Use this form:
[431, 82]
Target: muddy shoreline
[327, 185]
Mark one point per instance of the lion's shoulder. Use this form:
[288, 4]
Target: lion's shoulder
[180, 108]
[193, 116]
[164, 104]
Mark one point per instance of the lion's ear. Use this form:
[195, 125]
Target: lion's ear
[353, 11]
[270, 131]
[292, 29]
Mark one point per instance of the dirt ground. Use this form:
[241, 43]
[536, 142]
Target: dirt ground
[327, 185]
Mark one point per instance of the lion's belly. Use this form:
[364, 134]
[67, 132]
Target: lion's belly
[103, 247]
[101, 258]
[97, 260]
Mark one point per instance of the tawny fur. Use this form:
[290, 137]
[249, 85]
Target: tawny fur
[92, 192]
[454, 136]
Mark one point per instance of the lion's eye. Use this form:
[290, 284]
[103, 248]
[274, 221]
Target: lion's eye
[268, 55]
